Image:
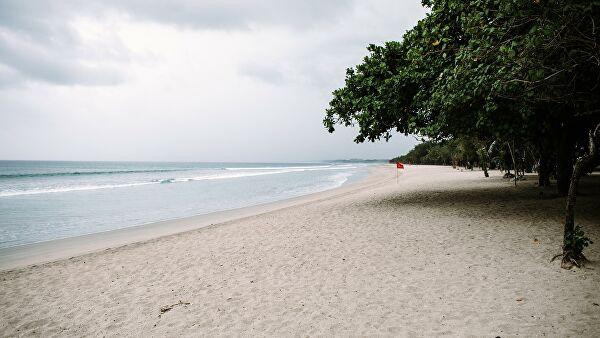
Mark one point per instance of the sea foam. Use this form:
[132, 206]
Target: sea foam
[230, 173]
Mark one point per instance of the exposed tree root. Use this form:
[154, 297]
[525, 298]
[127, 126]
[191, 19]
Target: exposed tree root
[570, 259]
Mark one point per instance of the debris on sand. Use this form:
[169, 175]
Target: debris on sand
[170, 307]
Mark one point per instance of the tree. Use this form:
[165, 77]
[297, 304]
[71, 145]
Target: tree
[520, 72]
[574, 240]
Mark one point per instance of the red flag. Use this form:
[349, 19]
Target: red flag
[399, 165]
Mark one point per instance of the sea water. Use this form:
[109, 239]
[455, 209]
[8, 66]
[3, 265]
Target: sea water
[46, 200]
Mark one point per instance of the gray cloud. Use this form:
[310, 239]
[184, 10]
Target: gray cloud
[268, 73]
[54, 53]
[50, 65]
[9, 78]
[37, 43]
[237, 14]
[323, 54]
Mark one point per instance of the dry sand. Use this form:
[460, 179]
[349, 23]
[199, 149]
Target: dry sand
[442, 252]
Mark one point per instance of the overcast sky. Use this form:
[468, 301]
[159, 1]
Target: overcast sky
[206, 80]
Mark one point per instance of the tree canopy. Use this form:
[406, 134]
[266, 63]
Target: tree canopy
[488, 68]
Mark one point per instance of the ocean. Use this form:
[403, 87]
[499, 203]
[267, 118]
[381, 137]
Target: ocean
[46, 200]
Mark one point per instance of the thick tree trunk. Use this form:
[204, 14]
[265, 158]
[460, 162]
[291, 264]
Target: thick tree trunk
[573, 255]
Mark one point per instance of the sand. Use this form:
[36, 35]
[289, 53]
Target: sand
[442, 252]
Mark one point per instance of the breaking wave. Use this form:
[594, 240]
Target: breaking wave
[230, 174]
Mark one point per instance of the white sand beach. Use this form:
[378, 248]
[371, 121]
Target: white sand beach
[441, 252]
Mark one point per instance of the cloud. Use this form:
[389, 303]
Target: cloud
[51, 65]
[40, 40]
[237, 14]
[264, 72]
[9, 77]
[318, 57]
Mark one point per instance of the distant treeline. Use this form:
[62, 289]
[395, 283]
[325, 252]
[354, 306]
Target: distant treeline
[452, 152]
[469, 153]
[358, 160]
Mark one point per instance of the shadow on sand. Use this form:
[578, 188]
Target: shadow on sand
[499, 198]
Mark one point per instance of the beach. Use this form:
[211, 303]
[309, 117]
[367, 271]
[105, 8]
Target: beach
[437, 251]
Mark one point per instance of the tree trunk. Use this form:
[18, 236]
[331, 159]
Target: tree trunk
[485, 169]
[564, 164]
[573, 255]
[544, 171]
[483, 160]
[513, 161]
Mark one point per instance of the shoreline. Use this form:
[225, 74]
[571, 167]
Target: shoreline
[49, 251]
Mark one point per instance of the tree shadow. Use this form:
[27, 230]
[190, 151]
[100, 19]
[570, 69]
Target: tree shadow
[500, 199]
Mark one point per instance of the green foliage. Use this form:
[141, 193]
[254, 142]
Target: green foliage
[577, 241]
[517, 70]
[448, 152]
[421, 154]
